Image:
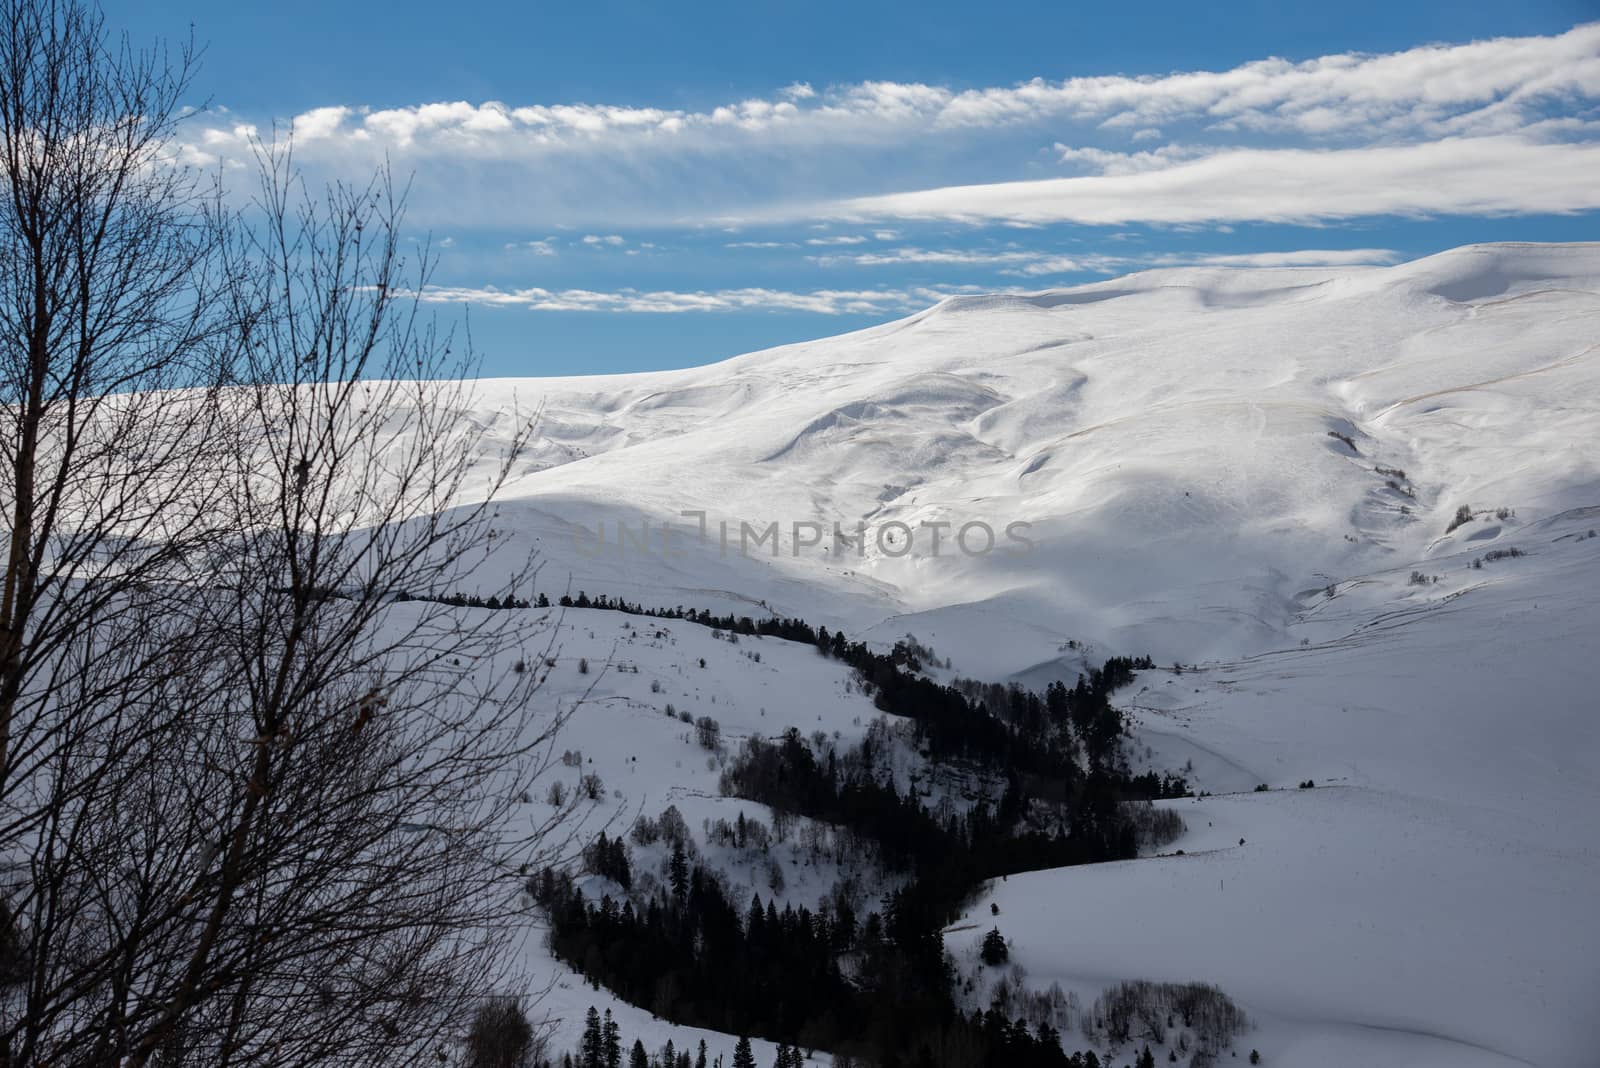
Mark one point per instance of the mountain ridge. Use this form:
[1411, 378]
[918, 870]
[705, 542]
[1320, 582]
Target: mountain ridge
[1147, 435]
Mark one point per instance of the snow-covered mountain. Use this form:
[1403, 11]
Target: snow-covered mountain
[1166, 435]
[1305, 485]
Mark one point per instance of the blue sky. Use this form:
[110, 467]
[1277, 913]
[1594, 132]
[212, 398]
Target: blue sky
[616, 187]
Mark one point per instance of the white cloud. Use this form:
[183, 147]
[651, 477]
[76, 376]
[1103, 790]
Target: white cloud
[1046, 265]
[1482, 87]
[1307, 257]
[1428, 87]
[1479, 176]
[891, 257]
[613, 240]
[1109, 162]
[869, 301]
[1034, 263]
[821, 302]
[839, 239]
[319, 123]
[543, 247]
[1414, 131]
[1041, 266]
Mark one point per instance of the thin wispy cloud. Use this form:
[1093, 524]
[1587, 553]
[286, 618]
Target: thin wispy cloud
[1031, 263]
[839, 239]
[821, 302]
[1308, 257]
[894, 257]
[543, 247]
[1456, 176]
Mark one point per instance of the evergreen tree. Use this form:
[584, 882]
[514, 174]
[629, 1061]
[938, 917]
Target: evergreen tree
[743, 1057]
[995, 951]
[612, 1044]
[592, 1048]
[679, 873]
[700, 1058]
[639, 1058]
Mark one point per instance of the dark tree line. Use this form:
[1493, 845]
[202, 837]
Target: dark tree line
[877, 986]
[1008, 727]
[473, 600]
[878, 989]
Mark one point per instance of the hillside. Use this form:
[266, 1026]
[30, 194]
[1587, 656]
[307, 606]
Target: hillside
[1256, 473]
[1166, 435]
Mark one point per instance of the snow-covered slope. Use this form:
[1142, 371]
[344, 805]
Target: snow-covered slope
[1166, 435]
[1254, 471]
[1431, 901]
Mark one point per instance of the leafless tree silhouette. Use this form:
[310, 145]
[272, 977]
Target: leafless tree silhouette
[260, 803]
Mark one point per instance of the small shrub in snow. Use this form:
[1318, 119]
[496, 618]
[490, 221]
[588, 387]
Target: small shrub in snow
[591, 788]
[501, 1036]
[673, 829]
[1203, 1008]
[1154, 827]
[1463, 516]
[583, 665]
[1502, 554]
[708, 733]
[646, 831]
[1346, 438]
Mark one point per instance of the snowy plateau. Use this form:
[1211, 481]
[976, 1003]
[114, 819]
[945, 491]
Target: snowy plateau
[1303, 486]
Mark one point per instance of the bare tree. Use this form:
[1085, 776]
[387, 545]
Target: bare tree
[259, 791]
[109, 302]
